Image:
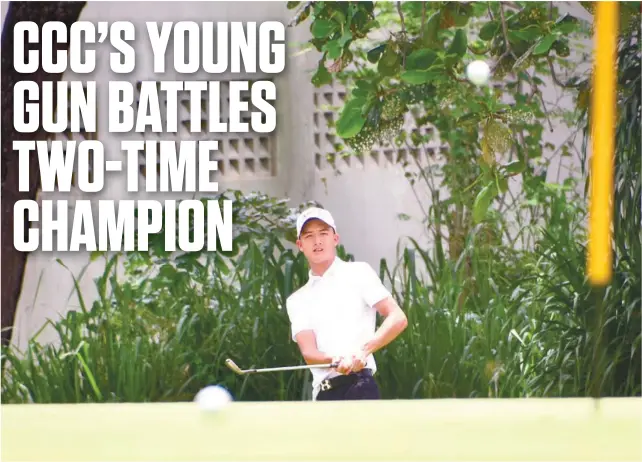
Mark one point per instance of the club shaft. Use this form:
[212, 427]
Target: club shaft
[290, 368]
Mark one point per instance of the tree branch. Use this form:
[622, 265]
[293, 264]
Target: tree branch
[548, 118]
[14, 261]
[403, 32]
[508, 51]
[556, 80]
[300, 12]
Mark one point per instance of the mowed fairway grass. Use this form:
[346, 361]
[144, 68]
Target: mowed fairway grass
[445, 429]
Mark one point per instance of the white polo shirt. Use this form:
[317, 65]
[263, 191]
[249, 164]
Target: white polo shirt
[339, 308]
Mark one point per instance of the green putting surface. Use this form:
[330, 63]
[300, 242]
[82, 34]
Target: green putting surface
[464, 429]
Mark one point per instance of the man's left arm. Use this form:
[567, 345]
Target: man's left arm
[379, 297]
[395, 322]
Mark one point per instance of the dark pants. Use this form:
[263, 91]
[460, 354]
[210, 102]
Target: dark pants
[358, 385]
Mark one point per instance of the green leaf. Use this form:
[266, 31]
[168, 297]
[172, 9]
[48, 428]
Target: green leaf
[475, 106]
[322, 28]
[528, 33]
[544, 44]
[468, 118]
[351, 120]
[375, 53]
[334, 49]
[459, 43]
[416, 77]
[338, 16]
[95, 255]
[514, 168]
[479, 9]
[451, 60]
[566, 28]
[364, 89]
[389, 63]
[322, 76]
[461, 14]
[345, 38]
[291, 5]
[488, 31]
[566, 24]
[487, 173]
[483, 201]
[374, 115]
[430, 30]
[515, 36]
[361, 93]
[365, 84]
[420, 59]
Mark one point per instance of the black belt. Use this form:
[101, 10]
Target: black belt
[344, 380]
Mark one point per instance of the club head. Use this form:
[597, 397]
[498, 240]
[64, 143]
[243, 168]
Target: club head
[229, 363]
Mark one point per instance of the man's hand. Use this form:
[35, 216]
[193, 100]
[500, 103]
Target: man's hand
[359, 361]
[350, 363]
[345, 364]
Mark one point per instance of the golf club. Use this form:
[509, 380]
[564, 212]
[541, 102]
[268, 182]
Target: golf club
[232, 365]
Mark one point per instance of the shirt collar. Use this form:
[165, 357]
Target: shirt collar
[329, 272]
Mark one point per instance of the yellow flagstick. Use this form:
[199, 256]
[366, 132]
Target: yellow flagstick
[603, 115]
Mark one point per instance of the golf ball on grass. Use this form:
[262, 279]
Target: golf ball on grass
[213, 398]
[478, 72]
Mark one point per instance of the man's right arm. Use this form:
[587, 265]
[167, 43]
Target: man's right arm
[306, 339]
[308, 345]
[307, 342]
[303, 334]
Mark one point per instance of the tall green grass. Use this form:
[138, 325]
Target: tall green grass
[163, 337]
[497, 322]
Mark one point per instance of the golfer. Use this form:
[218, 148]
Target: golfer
[333, 316]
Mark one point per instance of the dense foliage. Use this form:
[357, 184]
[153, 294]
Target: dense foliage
[498, 306]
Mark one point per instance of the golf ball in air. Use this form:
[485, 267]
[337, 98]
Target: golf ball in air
[478, 72]
[213, 398]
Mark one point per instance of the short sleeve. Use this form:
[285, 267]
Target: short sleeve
[372, 289]
[299, 319]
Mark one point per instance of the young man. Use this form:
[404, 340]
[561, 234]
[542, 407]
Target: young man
[333, 316]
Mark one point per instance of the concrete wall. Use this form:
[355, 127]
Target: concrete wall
[366, 198]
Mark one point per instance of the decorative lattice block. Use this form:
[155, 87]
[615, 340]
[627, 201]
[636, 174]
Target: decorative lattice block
[241, 155]
[328, 101]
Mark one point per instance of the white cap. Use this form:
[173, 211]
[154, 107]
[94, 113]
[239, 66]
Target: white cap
[311, 213]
